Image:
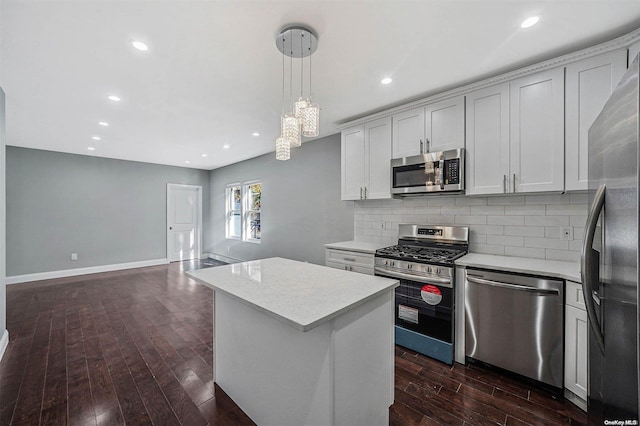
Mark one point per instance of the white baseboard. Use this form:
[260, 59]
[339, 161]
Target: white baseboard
[16, 279]
[222, 258]
[4, 342]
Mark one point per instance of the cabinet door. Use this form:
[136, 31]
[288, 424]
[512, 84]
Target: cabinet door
[575, 354]
[353, 159]
[589, 84]
[444, 125]
[377, 136]
[487, 153]
[537, 132]
[408, 133]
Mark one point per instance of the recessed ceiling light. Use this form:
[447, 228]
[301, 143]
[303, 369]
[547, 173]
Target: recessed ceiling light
[226, 146]
[91, 148]
[96, 138]
[114, 98]
[103, 123]
[187, 162]
[255, 134]
[140, 45]
[204, 155]
[529, 22]
[386, 80]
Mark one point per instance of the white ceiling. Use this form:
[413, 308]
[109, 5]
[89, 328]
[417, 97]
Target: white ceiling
[213, 74]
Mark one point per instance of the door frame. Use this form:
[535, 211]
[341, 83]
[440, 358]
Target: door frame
[173, 186]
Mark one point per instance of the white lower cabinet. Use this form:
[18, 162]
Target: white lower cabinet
[350, 261]
[576, 348]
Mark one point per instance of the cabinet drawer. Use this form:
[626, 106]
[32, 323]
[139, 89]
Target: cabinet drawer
[349, 258]
[574, 295]
[353, 268]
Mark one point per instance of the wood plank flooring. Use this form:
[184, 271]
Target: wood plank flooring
[135, 347]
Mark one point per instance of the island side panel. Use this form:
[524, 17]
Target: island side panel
[277, 374]
[364, 363]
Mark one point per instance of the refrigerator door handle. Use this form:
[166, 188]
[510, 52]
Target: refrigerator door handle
[587, 266]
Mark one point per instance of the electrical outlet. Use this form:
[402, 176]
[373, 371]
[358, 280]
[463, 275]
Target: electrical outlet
[74, 256]
[566, 233]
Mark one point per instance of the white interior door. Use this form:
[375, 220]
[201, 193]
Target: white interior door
[184, 222]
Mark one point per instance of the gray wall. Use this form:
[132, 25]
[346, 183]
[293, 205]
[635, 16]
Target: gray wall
[108, 211]
[301, 207]
[3, 297]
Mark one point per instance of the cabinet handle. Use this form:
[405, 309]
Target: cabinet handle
[514, 183]
[365, 192]
[349, 259]
[346, 268]
[351, 268]
[361, 193]
[428, 148]
[504, 184]
[421, 147]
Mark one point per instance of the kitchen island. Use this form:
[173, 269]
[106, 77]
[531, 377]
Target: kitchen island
[303, 344]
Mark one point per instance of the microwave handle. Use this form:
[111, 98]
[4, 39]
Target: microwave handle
[421, 147]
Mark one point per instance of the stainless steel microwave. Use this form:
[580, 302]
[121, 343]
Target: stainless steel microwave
[430, 173]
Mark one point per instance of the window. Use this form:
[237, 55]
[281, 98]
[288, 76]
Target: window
[243, 202]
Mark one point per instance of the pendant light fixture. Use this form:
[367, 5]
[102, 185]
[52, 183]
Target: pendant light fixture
[302, 117]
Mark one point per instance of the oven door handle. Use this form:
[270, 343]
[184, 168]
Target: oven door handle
[512, 286]
[444, 282]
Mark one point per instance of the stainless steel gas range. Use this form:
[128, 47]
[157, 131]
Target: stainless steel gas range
[423, 261]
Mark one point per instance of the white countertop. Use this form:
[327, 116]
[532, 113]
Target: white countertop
[300, 294]
[550, 268]
[359, 246]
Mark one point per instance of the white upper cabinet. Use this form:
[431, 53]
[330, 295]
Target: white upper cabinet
[366, 157]
[437, 127]
[537, 132]
[408, 133]
[444, 125]
[352, 170]
[589, 83]
[487, 152]
[515, 136]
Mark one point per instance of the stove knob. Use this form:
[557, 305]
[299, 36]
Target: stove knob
[437, 270]
[428, 268]
[393, 263]
[409, 266]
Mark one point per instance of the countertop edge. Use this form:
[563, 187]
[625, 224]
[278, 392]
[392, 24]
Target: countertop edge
[290, 322]
[550, 268]
[355, 246]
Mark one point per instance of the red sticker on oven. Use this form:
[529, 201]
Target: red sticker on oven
[431, 294]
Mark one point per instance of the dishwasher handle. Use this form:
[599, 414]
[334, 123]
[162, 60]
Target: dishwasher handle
[529, 289]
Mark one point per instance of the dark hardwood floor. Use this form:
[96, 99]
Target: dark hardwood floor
[135, 347]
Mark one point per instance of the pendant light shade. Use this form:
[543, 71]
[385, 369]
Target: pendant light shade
[311, 121]
[303, 117]
[282, 149]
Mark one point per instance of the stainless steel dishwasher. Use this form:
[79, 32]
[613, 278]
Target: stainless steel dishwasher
[516, 322]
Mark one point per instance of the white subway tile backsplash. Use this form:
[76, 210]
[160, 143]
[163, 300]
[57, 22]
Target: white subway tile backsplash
[505, 240]
[486, 249]
[547, 199]
[546, 220]
[454, 210]
[547, 243]
[566, 209]
[507, 200]
[462, 219]
[525, 231]
[511, 225]
[536, 253]
[526, 210]
[487, 210]
[471, 201]
[505, 220]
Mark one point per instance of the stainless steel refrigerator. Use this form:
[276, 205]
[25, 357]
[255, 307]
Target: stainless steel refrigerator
[610, 257]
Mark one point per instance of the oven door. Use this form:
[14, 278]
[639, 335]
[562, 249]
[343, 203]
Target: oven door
[424, 307]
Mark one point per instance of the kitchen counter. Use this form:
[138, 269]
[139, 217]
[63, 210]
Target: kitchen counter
[303, 344]
[549, 268]
[358, 246]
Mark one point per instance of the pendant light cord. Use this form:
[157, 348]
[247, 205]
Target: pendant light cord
[282, 103]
